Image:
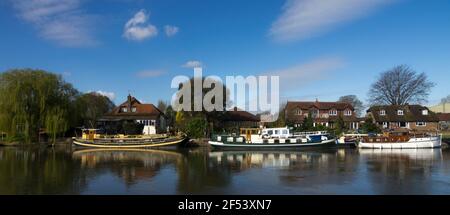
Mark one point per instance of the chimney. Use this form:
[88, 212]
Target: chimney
[129, 101]
[317, 100]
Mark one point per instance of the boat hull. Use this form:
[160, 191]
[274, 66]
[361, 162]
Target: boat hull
[252, 146]
[84, 143]
[417, 143]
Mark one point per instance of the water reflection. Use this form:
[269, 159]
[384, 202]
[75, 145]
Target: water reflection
[39, 171]
[200, 171]
[131, 165]
[405, 171]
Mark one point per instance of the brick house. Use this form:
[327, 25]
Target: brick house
[322, 113]
[149, 115]
[398, 117]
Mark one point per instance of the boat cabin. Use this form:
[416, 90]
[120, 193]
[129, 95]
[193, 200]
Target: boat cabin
[89, 134]
[276, 133]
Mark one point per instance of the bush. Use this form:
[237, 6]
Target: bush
[196, 127]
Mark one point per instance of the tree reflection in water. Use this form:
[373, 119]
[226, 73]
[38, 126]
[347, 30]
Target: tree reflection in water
[39, 171]
[200, 171]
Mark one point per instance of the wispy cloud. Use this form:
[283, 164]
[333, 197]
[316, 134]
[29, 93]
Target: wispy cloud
[62, 21]
[150, 73]
[302, 19]
[138, 28]
[302, 74]
[192, 64]
[171, 30]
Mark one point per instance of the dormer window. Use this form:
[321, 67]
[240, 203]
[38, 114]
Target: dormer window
[133, 109]
[298, 112]
[400, 112]
[348, 112]
[333, 112]
[425, 112]
[124, 110]
[382, 112]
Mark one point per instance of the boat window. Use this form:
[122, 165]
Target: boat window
[285, 131]
[277, 132]
[270, 132]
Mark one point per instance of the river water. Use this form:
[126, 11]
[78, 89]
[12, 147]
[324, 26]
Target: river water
[65, 170]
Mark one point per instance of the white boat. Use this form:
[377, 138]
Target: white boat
[271, 138]
[350, 139]
[401, 142]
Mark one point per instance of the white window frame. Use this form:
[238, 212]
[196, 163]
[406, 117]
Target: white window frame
[133, 109]
[124, 110]
[425, 112]
[421, 124]
[382, 112]
[333, 112]
[400, 112]
[385, 124]
[298, 111]
[348, 112]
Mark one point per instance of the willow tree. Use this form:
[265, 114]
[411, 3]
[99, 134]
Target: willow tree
[89, 107]
[27, 99]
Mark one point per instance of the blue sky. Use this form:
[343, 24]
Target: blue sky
[334, 48]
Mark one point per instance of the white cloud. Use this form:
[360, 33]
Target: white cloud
[61, 21]
[302, 19]
[110, 95]
[150, 73]
[138, 29]
[302, 74]
[192, 64]
[171, 30]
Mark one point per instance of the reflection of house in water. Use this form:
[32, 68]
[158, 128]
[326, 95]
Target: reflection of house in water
[401, 171]
[131, 164]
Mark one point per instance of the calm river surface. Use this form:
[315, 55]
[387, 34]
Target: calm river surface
[65, 170]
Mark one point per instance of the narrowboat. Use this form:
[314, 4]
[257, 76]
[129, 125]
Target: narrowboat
[254, 138]
[91, 139]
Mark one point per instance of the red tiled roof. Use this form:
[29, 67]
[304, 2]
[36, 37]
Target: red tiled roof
[319, 105]
[444, 117]
[238, 115]
[148, 110]
[411, 113]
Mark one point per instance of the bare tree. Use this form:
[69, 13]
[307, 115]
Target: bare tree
[354, 101]
[445, 100]
[399, 86]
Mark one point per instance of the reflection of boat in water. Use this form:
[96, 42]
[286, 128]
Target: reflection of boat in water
[264, 158]
[93, 140]
[272, 138]
[415, 154]
[91, 157]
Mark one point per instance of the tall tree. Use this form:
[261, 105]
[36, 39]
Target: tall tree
[354, 101]
[162, 106]
[399, 86]
[89, 107]
[28, 98]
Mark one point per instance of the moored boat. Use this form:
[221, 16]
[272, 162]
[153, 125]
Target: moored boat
[272, 138]
[350, 140]
[402, 141]
[91, 139]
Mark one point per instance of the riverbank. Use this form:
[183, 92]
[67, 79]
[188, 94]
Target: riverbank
[62, 141]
